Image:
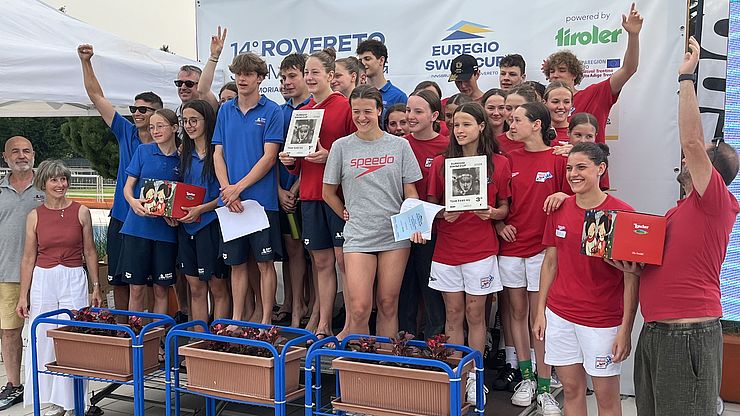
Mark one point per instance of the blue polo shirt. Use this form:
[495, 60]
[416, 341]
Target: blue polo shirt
[243, 137]
[287, 179]
[149, 162]
[391, 95]
[128, 140]
[194, 176]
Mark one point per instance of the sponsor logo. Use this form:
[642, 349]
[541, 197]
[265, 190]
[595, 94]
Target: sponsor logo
[266, 250]
[428, 162]
[39, 198]
[602, 362]
[127, 275]
[566, 37]
[543, 176]
[641, 229]
[485, 282]
[432, 279]
[466, 30]
[339, 236]
[189, 196]
[560, 231]
[260, 121]
[513, 174]
[306, 241]
[371, 164]
[164, 276]
[110, 278]
[201, 271]
[225, 256]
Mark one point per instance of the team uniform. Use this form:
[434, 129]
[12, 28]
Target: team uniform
[598, 100]
[687, 285]
[506, 145]
[586, 300]
[418, 267]
[198, 242]
[391, 95]
[372, 175]
[322, 228]
[243, 138]
[561, 135]
[287, 179]
[149, 249]
[458, 265]
[534, 177]
[128, 140]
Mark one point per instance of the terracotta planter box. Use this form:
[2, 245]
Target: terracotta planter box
[240, 377]
[382, 390]
[101, 356]
[730, 390]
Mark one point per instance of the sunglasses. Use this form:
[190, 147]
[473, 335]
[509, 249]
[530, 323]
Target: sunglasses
[140, 108]
[189, 84]
[716, 142]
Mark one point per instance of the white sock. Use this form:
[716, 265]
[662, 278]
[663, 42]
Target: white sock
[534, 360]
[511, 357]
[501, 341]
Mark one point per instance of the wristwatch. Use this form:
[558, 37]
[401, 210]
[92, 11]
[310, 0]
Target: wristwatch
[687, 77]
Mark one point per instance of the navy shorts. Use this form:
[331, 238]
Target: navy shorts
[265, 245]
[113, 250]
[322, 228]
[199, 254]
[145, 261]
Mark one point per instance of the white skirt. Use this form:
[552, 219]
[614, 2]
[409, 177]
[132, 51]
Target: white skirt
[55, 288]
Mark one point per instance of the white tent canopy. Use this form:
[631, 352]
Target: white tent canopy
[40, 73]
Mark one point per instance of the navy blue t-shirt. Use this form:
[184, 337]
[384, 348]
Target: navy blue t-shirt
[128, 140]
[194, 177]
[391, 95]
[150, 163]
[243, 137]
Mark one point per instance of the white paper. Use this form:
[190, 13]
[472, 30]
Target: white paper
[430, 212]
[406, 223]
[238, 224]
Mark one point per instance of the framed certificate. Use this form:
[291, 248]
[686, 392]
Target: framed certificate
[466, 183]
[303, 133]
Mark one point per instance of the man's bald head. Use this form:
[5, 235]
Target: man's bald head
[19, 154]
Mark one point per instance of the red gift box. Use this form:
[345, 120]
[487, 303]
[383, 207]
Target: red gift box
[624, 235]
[166, 198]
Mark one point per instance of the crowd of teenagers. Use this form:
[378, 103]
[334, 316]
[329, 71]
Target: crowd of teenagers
[329, 216]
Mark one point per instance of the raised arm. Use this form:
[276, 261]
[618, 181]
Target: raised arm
[92, 86]
[206, 78]
[689, 124]
[632, 24]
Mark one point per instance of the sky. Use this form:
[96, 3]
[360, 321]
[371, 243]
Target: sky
[151, 22]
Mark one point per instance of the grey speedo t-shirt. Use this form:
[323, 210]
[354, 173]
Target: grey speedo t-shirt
[372, 174]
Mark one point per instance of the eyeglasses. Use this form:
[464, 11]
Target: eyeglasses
[716, 141]
[153, 127]
[140, 108]
[189, 84]
[192, 122]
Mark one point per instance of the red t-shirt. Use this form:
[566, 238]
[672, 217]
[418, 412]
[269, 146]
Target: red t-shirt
[586, 291]
[697, 233]
[534, 177]
[506, 145]
[469, 238]
[598, 100]
[425, 152]
[561, 136]
[337, 123]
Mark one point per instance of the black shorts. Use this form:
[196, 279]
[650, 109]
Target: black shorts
[199, 254]
[322, 228]
[113, 250]
[145, 261]
[285, 223]
[266, 245]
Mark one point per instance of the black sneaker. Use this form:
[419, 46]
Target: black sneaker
[10, 396]
[496, 361]
[505, 377]
[517, 379]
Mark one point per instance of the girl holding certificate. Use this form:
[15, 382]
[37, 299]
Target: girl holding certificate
[467, 273]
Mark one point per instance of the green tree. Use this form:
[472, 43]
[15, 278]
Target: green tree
[43, 132]
[91, 138]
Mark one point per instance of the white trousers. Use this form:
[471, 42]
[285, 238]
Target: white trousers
[55, 288]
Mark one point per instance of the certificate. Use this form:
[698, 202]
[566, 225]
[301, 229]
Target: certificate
[303, 133]
[466, 183]
[408, 222]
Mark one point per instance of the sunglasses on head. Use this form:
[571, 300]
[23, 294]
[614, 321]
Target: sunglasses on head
[140, 108]
[716, 141]
[190, 84]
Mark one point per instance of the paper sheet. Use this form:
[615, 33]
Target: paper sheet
[408, 222]
[430, 211]
[235, 225]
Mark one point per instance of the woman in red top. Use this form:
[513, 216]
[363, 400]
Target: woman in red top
[559, 101]
[517, 96]
[467, 273]
[322, 228]
[59, 240]
[538, 187]
[494, 101]
[586, 307]
[423, 110]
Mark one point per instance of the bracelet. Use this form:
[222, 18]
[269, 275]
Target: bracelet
[96, 284]
[212, 59]
[687, 77]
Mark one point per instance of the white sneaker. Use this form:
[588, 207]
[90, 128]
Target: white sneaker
[524, 393]
[471, 390]
[555, 380]
[55, 410]
[547, 405]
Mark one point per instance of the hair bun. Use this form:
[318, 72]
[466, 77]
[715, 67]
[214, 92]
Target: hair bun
[331, 52]
[604, 148]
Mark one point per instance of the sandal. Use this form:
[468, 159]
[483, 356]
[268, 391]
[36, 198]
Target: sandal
[282, 318]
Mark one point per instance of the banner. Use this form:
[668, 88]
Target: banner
[422, 40]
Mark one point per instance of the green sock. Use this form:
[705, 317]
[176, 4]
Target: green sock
[526, 368]
[543, 385]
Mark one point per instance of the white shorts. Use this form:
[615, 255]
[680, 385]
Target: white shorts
[477, 278]
[567, 343]
[521, 272]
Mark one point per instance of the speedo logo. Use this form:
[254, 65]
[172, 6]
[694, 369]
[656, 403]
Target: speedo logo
[592, 37]
[371, 164]
[641, 228]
